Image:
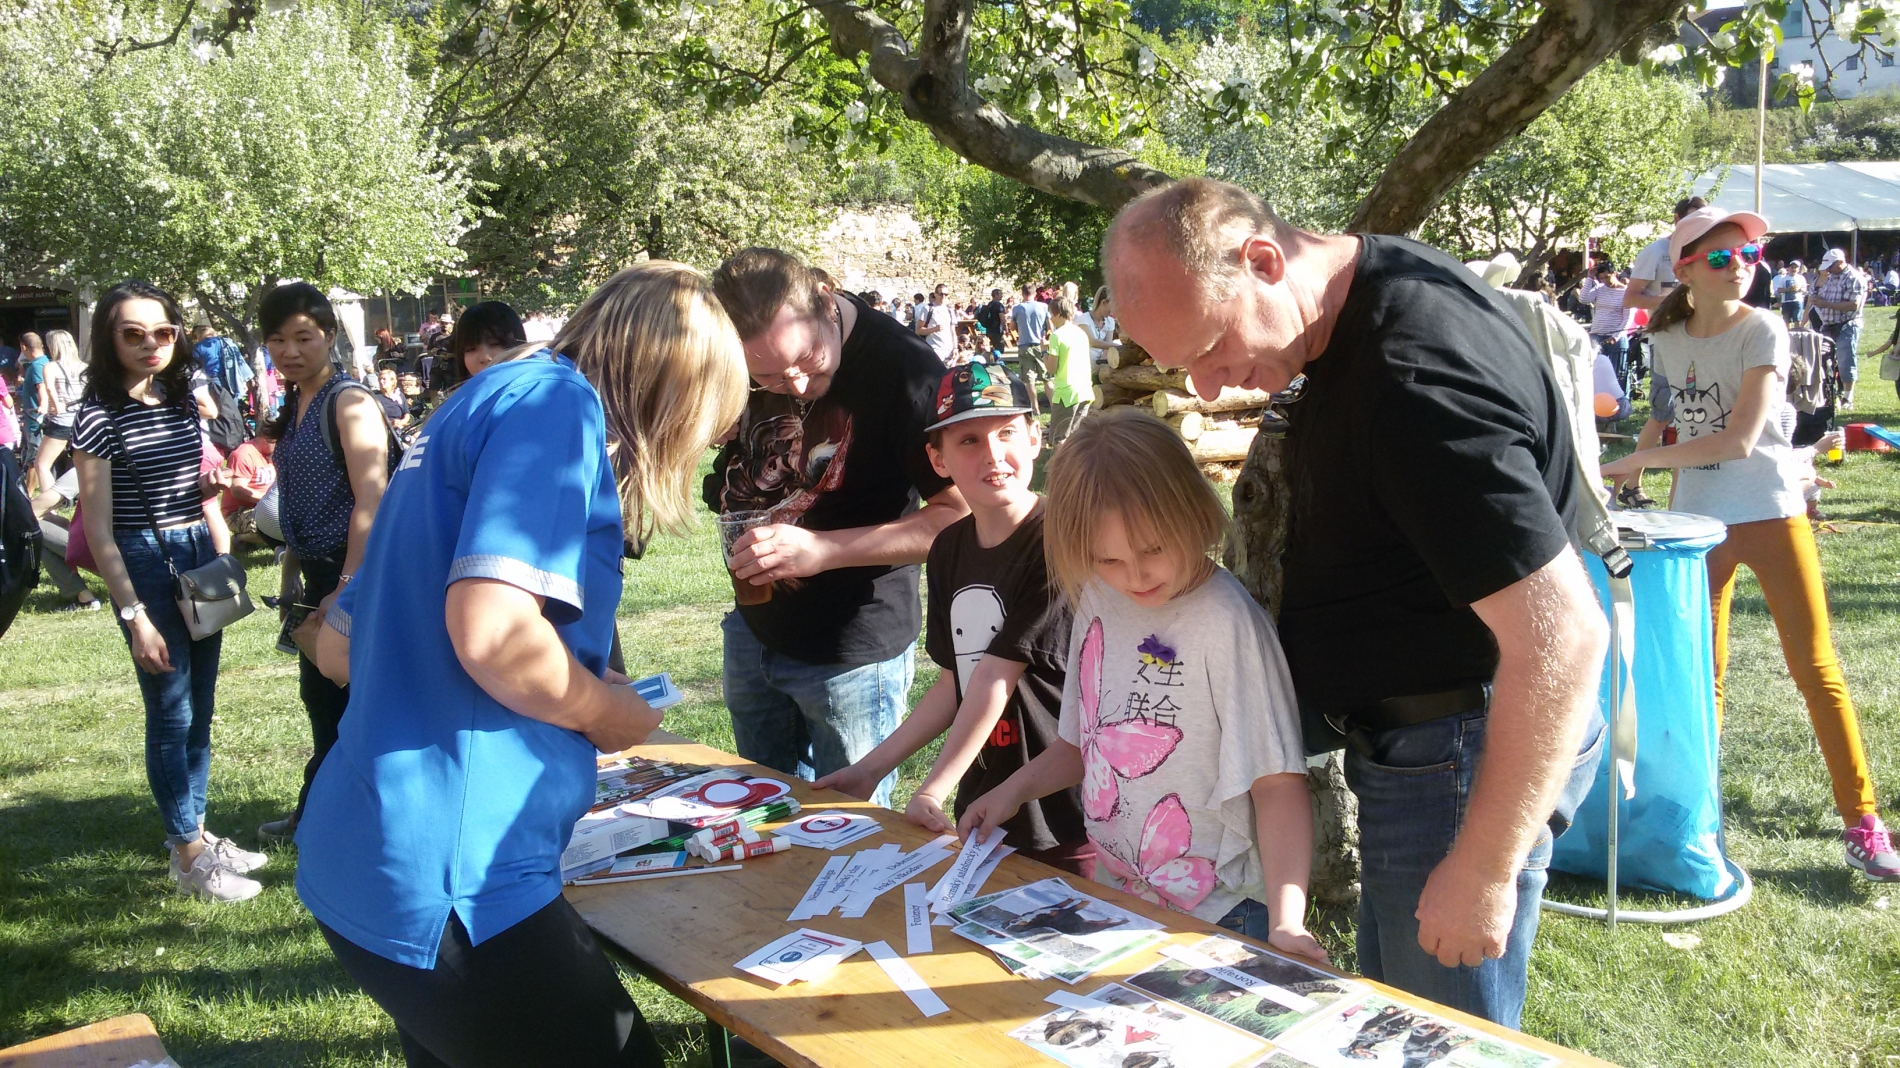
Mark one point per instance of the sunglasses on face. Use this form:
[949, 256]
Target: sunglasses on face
[134, 336]
[1720, 258]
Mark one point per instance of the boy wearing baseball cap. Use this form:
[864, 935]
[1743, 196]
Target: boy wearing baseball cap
[993, 624]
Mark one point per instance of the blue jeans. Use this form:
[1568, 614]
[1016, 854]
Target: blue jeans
[1847, 353]
[1618, 350]
[178, 705]
[1249, 918]
[1413, 787]
[811, 719]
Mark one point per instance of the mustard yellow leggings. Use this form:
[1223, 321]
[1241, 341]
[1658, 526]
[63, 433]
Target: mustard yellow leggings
[1781, 554]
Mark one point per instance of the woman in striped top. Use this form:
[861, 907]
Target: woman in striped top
[137, 446]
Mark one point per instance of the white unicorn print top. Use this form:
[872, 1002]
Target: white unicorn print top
[1695, 383]
[1177, 710]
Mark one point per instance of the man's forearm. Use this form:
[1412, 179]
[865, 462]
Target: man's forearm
[905, 540]
[1542, 699]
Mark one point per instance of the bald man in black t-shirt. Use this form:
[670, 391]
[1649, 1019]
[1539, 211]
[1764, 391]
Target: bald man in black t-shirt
[1435, 608]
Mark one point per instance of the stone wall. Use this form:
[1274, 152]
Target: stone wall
[888, 250]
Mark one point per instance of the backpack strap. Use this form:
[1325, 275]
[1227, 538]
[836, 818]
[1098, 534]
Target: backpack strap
[332, 437]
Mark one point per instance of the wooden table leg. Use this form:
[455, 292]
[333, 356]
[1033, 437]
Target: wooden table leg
[718, 1045]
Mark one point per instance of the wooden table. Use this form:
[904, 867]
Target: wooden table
[686, 933]
[112, 1043]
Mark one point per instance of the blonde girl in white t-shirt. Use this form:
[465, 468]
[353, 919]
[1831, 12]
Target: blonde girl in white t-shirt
[1721, 369]
[1178, 717]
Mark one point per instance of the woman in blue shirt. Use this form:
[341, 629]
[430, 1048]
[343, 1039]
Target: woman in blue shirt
[475, 640]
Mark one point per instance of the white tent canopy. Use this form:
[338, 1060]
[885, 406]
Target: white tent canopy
[1812, 197]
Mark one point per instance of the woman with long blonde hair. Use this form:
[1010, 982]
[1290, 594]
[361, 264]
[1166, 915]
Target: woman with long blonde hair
[475, 640]
[65, 376]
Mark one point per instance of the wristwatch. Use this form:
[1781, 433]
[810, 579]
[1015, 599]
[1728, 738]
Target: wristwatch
[131, 610]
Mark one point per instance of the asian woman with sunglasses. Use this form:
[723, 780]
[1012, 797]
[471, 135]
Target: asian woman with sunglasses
[1719, 379]
[138, 448]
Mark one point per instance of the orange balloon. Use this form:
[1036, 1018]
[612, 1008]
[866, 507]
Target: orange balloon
[1606, 406]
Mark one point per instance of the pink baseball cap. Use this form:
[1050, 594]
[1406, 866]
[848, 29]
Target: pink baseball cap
[1702, 220]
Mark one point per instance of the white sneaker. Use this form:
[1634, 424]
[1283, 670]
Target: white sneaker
[210, 879]
[230, 856]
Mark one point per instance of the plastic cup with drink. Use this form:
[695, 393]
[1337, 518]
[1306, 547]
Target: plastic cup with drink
[731, 525]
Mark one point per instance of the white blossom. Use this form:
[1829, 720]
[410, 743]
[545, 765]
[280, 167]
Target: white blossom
[1668, 53]
[992, 85]
[1145, 61]
[1034, 101]
[1723, 40]
[1065, 77]
[1803, 73]
[855, 112]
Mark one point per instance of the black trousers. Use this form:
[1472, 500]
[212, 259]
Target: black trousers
[540, 993]
[323, 700]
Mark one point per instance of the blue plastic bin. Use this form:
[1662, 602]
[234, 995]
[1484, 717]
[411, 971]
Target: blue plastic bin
[1670, 833]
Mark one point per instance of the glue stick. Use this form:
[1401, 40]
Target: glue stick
[724, 835]
[748, 850]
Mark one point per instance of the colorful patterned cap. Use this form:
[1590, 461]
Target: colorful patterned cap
[977, 391]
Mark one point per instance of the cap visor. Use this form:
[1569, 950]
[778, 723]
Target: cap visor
[977, 413]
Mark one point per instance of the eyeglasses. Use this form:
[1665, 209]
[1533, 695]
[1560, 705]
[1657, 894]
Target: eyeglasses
[1720, 258]
[134, 336]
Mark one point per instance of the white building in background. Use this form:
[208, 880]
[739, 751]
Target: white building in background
[1856, 70]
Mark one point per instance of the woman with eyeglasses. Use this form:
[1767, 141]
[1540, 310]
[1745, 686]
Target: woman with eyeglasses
[137, 447]
[1719, 377]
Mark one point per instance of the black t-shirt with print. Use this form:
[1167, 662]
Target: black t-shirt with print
[1431, 465]
[852, 458]
[998, 602]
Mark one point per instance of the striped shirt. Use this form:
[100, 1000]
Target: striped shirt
[1608, 319]
[167, 447]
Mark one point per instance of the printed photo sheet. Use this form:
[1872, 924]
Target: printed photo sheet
[1056, 920]
[1116, 1027]
[1268, 997]
[1376, 1032]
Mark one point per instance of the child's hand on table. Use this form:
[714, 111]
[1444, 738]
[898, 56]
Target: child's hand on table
[991, 810]
[927, 812]
[856, 780]
[1295, 940]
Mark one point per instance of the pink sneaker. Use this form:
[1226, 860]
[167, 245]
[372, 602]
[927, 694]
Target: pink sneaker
[1870, 848]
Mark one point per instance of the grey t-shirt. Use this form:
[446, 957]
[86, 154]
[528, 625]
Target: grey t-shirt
[1177, 710]
[1032, 322]
[1696, 381]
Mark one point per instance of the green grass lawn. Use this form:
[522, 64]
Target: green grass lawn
[1809, 974]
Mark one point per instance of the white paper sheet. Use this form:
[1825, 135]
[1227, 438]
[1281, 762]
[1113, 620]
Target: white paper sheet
[976, 850]
[830, 829]
[819, 891]
[907, 979]
[804, 955]
[916, 920]
[912, 864]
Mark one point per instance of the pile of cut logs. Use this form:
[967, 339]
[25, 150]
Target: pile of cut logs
[1218, 431]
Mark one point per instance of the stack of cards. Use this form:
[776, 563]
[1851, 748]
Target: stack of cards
[829, 830]
[708, 798]
[804, 955]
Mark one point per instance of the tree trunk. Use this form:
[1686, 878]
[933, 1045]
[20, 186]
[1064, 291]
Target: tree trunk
[1571, 38]
[1145, 378]
[1262, 507]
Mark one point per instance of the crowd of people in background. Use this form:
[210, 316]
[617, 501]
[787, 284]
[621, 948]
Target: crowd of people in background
[836, 415]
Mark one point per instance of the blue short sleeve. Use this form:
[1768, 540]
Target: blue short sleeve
[529, 502]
